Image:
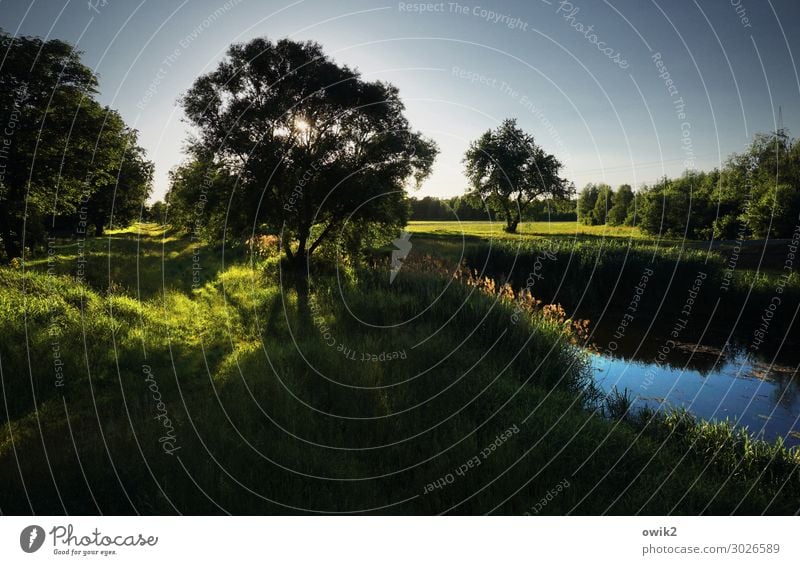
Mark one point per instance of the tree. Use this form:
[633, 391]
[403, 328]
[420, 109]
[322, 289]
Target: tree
[768, 173]
[508, 171]
[62, 155]
[430, 208]
[558, 210]
[120, 177]
[756, 194]
[156, 212]
[621, 202]
[675, 208]
[196, 199]
[470, 207]
[602, 204]
[42, 87]
[587, 199]
[310, 144]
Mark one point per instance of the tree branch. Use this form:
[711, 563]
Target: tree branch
[321, 237]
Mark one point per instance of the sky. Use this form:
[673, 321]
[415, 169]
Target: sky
[621, 91]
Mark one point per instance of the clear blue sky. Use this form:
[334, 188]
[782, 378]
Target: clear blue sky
[463, 67]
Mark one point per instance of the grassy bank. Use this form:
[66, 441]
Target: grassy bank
[607, 278]
[348, 394]
[597, 272]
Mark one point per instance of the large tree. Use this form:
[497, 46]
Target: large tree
[42, 86]
[311, 145]
[58, 146]
[508, 171]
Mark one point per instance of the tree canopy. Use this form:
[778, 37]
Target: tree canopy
[508, 171]
[622, 208]
[303, 146]
[64, 158]
[755, 194]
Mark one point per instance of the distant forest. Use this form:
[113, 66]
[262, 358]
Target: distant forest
[756, 194]
[470, 208]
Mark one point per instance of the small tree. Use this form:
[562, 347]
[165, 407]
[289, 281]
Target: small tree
[156, 212]
[669, 207]
[196, 199]
[621, 202]
[508, 171]
[586, 203]
[602, 204]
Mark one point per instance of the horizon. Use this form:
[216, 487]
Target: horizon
[674, 88]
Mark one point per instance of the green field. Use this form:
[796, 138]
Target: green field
[754, 257]
[287, 396]
[525, 230]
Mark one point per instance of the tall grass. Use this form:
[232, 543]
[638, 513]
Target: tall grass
[590, 277]
[275, 410]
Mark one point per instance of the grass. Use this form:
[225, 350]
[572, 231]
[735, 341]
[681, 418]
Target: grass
[262, 428]
[753, 257]
[145, 259]
[524, 230]
[593, 276]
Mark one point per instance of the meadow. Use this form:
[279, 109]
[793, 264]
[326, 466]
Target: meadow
[526, 230]
[178, 377]
[763, 257]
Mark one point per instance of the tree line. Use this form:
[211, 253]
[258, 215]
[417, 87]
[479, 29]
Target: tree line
[755, 194]
[599, 204]
[464, 208]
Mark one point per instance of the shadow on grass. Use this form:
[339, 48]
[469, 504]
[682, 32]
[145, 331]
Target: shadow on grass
[142, 261]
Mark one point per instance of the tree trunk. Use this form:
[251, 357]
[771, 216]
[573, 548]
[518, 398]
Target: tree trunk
[287, 246]
[302, 240]
[511, 221]
[297, 262]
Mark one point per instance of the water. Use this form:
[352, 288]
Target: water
[714, 382]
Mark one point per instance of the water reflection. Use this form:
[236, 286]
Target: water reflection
[714, 381]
